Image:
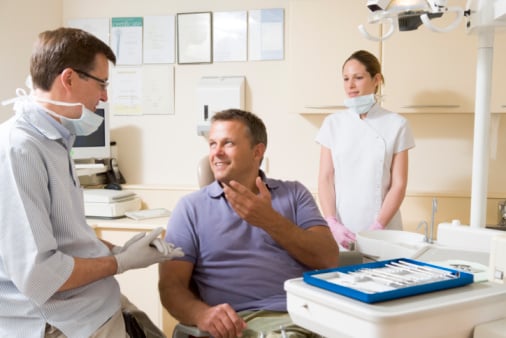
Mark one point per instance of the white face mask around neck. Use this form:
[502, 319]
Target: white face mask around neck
[86, 124]
[360, 104]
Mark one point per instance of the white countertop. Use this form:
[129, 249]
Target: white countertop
[127, 223]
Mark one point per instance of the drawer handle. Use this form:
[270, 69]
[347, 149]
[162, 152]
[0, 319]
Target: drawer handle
[325, 107]
[444, 106]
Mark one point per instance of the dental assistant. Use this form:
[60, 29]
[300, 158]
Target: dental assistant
[363, 168]
[56, 277]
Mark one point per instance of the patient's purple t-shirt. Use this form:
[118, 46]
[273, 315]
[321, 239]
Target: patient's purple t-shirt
[235, 262]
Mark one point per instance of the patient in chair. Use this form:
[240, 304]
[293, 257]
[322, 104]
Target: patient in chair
[243, 235]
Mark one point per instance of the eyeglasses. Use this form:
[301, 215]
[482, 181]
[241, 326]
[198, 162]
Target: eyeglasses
[103, 83]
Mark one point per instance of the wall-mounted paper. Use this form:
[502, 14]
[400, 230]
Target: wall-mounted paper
[266, 34]
[158, 89]
[194, 37]
[159, 39]
[230, 36]
[126, 40]
[126, 90]
[96, 26]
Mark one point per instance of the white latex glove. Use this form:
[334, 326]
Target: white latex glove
[117, 249]
[146, 251]
[167, 249]
[376, 226]
[342, 234]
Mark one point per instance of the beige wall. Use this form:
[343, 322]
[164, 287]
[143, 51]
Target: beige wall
[20, 22]
[164, 150]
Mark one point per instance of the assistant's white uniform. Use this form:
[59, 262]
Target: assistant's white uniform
[362, 152]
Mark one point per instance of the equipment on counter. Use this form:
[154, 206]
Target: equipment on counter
[106, 203]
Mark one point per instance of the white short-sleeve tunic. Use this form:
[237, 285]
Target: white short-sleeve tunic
[362, 152]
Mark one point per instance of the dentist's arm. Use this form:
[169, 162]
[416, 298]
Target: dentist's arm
[139, 253]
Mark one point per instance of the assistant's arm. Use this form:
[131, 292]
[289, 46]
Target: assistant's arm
[397, 191]
[326, 187]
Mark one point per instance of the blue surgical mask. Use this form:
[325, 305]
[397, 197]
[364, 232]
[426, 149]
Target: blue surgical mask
[360, 104]
[82, 126]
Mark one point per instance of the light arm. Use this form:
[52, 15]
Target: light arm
[326, 185]
[397, 190]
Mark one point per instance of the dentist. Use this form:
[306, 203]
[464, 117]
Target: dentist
[363, 158]
[56, 276]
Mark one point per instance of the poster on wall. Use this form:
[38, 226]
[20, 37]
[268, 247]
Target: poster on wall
[194, 37]
[266, 34]
[125, 94]
[159, 39]
[230, 37]
[158, 90]
[126, 40]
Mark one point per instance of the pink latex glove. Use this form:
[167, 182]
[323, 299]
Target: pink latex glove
[376, 226]
[342, 235]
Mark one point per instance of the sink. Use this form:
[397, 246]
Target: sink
[390, 244]
[455, 249]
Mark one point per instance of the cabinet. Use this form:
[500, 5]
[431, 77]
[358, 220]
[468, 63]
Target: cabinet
[140, 286]
[498, 104]
[322, 35]
[430, 72]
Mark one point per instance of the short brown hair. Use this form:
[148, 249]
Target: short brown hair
[255, 125]
[62, 48]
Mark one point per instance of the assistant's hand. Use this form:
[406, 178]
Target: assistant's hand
[342, 234]
[376, 226]
[146, 251]
[221, 321]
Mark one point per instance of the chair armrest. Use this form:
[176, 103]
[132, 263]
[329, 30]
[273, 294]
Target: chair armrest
[184, 331]
[350, 258]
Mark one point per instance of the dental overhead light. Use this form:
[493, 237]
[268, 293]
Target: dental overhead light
[483, 17]
[408, 15]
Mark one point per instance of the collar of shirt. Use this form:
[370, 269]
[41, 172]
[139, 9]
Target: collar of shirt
[215, 189]
[49, 127]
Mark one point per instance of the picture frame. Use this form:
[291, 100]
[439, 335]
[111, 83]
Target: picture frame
[194, 38]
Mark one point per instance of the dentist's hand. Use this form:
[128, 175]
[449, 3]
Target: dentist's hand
[117, 249]
[342, 234]
[146, 251]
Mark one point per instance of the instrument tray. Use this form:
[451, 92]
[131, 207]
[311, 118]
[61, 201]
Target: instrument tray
[387, 280]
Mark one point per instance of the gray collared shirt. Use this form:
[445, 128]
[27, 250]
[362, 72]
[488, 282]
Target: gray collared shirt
[42, 228]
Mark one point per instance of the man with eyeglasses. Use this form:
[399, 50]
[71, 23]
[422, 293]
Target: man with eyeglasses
[56, 276]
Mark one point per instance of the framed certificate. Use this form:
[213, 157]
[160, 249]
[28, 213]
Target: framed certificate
[194, 38]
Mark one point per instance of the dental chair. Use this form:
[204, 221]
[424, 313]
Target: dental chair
[205, 176]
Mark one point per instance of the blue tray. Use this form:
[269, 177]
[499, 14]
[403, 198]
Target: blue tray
[332, 279]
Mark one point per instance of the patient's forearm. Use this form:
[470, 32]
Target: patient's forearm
[182, 304]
